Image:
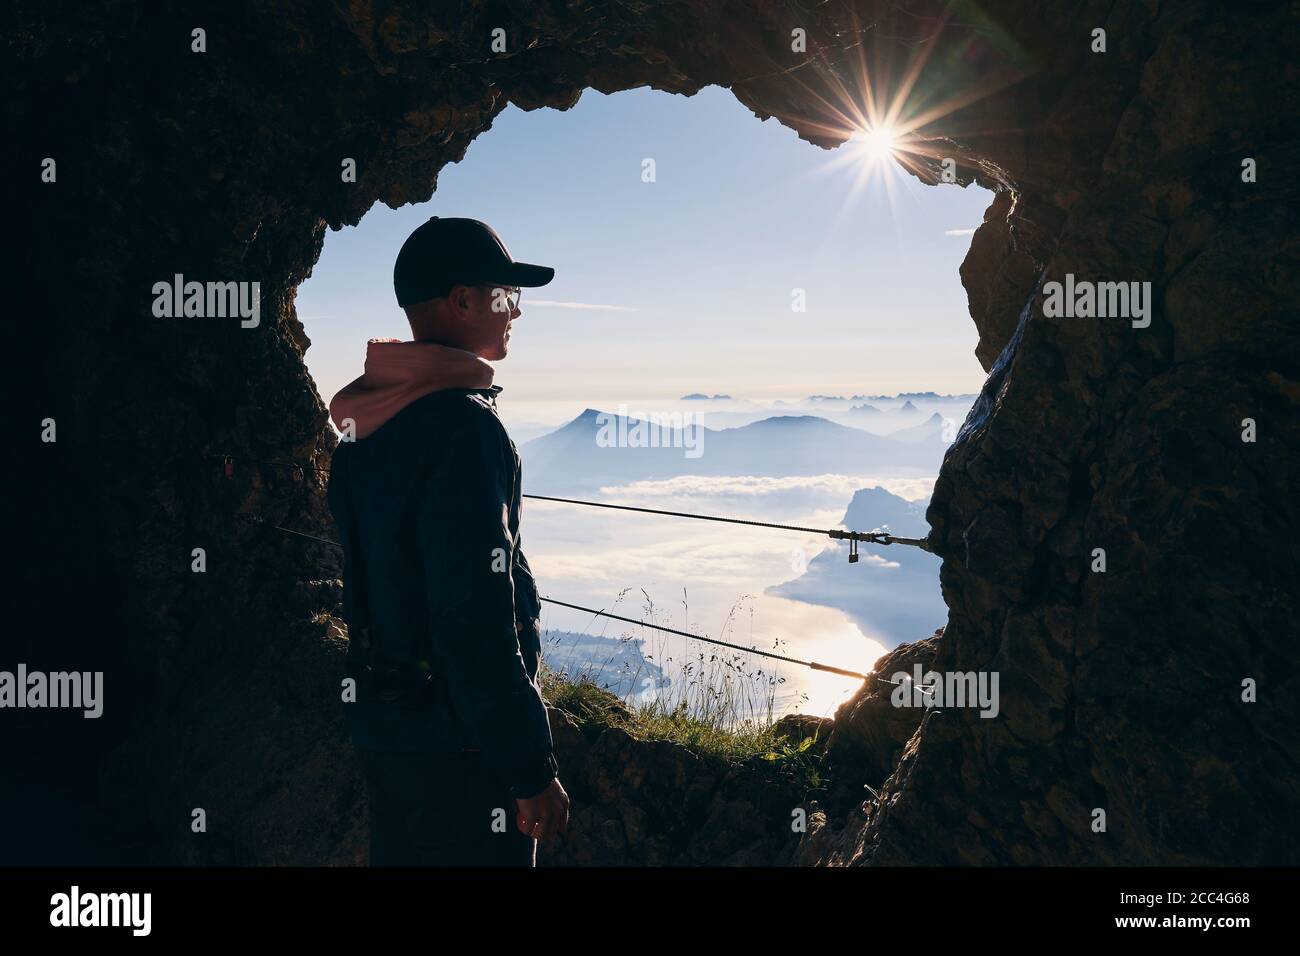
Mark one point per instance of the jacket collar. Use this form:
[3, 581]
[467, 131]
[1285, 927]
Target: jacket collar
[397, 373]
[490, 393]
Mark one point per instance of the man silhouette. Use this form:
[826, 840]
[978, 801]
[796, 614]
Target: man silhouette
[441, 606]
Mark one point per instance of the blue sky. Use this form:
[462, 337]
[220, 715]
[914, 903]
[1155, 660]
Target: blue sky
[700, 264]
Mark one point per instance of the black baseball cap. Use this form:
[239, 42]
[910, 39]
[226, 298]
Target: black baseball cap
[446, 252]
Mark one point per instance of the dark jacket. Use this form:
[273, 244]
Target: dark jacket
[428, 512]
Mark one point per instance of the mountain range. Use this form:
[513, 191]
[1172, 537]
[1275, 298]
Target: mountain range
[599, 448]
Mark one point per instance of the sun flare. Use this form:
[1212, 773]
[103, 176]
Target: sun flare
[876, 144]
[897, 121]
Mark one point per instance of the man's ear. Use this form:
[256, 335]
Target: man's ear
[459, 298]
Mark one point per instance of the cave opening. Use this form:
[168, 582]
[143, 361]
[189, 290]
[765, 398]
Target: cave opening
[245, 442]
[798, 307]
[1152, 157]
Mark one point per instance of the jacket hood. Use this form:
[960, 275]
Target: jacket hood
[397, 373]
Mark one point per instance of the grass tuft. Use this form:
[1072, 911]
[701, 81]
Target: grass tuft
[720, 703]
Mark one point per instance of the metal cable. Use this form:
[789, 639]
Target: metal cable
[870, 537]
[618, 617]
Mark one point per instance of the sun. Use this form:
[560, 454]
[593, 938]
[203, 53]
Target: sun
[876, 143]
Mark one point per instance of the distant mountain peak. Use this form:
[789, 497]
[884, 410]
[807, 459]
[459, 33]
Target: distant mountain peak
[587, 417]
[875, 508]
[793, 421]
[875, 491]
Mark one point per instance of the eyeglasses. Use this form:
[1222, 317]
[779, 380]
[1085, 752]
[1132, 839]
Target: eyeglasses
[505, 298]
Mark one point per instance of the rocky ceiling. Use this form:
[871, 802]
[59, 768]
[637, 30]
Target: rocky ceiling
[1121, 690]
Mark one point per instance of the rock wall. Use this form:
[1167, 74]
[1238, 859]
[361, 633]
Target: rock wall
[1121, 691]
[655, 803]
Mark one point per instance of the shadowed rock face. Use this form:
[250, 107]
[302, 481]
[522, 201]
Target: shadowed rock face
[654, 803]
[1120, 690]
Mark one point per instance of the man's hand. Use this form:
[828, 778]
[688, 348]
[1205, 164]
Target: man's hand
[544, 815]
